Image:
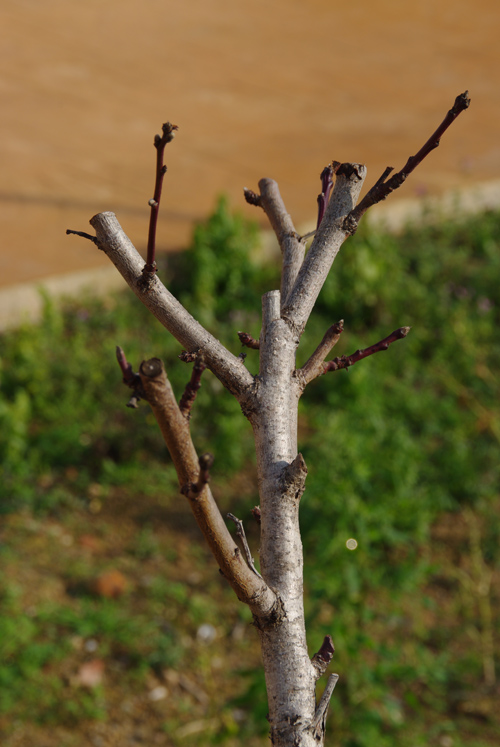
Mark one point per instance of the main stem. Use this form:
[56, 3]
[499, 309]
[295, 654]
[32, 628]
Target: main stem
[290, 677]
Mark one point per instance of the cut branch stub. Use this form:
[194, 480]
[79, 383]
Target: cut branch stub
[291, 246]
[323, 657]
[160, 142]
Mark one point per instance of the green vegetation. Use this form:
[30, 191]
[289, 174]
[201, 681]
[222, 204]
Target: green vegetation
[402, 453]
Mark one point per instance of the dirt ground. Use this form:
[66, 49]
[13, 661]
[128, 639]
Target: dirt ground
[258, 89]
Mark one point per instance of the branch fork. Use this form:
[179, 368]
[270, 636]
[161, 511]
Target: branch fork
[270, 401]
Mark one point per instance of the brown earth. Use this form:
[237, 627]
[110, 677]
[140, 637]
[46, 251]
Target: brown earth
[275, 88]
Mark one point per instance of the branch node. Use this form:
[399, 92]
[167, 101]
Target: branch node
[256, 514]
[248, 341]
[252, 197]
[160, 141]
[192, 387]
[323, 657]
[130, 379]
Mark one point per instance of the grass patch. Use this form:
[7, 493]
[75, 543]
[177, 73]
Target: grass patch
[402, 454]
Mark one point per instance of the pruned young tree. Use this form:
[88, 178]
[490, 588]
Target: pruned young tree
[270, 402]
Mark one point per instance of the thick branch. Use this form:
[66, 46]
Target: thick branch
[292, 249]
[382, 188]
[345, 361]
[175, 430]
[153, 294]
[327, 242]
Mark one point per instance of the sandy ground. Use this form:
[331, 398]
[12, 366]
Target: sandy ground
[268, 88]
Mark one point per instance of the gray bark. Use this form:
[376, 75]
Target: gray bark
[270, 401]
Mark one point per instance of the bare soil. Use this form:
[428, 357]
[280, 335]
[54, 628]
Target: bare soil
[258, 89]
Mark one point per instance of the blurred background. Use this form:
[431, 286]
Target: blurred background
[259, 89]
[115, 627]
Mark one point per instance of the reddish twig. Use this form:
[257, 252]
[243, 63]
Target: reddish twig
[255, 511]
[382, 188]
[160, 142]
[252, 197]
[345, 361]
[323, 657]
[192, 387]
[131, 379]
[248, 341]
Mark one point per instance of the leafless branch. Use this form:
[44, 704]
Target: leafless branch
[160, 142]
[175, 430]
[166, 308]
[313, 367]
[292, 249]
[382, 188]
[345, 361]
[325, 246]
[323, 657]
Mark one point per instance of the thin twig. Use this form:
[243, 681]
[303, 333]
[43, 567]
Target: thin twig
[321, 713]
[248, 341]
[131, 379]
[255, 511]
[192, 387]
[344, 361]
[240, 532]
[313, 367]
[82, 234]
[382, 188]
[160, 142]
